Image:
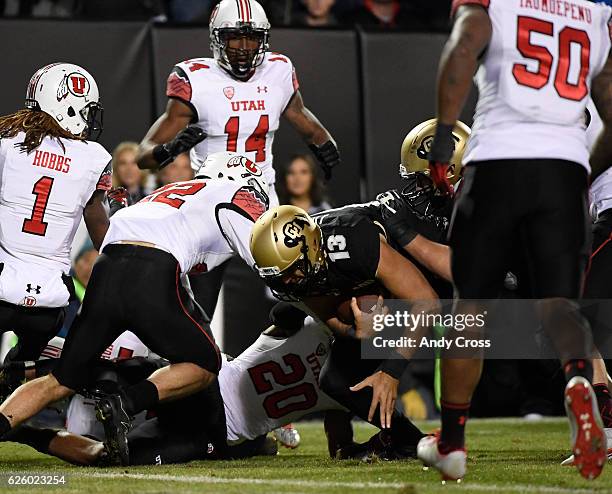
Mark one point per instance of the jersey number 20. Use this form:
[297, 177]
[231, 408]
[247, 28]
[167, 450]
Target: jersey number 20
[568, 36]
[263, 376]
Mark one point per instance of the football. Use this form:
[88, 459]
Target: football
[366, 302]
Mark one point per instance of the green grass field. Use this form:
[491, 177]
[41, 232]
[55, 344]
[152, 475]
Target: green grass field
[505, 456]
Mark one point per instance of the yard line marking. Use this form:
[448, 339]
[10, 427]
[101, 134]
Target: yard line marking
[330, 484]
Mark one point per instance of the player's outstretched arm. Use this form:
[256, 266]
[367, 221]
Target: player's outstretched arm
[314, 134]
[601, 91]
[96, 218]
[176, 118]
[404, 281]
[468, 40]
[432, 255]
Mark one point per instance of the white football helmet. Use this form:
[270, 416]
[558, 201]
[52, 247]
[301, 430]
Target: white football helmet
[70, 95]
[239, 19]
[226, 165]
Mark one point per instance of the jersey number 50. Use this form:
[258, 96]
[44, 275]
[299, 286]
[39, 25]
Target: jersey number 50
[567, 37]
[263, 376]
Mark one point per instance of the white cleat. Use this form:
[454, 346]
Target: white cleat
[287, 436]
[569, 461]
[586, 428]
[452, 465]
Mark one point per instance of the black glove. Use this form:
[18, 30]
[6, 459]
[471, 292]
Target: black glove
[327, 155]
[399, 220]
[187, 138]
[118, 198]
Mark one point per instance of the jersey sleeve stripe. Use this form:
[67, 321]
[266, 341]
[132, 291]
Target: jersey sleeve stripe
[459, 3]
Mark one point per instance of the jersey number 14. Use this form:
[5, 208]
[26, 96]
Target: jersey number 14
[255, 143]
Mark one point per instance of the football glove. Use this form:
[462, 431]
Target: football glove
[398, 219]
[327, 155]
[440, 154]
[187, 138]
[118, 198]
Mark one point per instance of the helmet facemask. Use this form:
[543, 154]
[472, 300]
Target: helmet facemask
[299, 279]
[241, 60]
[93, 114]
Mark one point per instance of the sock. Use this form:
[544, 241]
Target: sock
[44, 367]
[578, 367]
[5, 425]
[39, 439]
[139, 397]
[454, 416]
[604, 402]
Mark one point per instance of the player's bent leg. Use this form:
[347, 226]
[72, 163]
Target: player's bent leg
[179, 380]
[29, 399]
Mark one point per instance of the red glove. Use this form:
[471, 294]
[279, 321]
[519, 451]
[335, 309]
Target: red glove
[118, 198]
[438, 174]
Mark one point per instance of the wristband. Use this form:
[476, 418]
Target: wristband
[161, 153]
[443, 145]
[394, 366]
[401, 232]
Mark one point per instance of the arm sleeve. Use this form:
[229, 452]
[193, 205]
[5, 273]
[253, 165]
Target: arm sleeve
[178, 85]
[458, 3]
[290, 80]
[364, 249]
[105, 181]
[236, 219]
[236, 229]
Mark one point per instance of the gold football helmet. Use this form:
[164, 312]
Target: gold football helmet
[417, 144]
[286, 245]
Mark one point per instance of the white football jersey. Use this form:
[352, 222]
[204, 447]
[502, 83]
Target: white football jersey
[275, 382]
[80, 416]
[42, 196]
[535, 78]
[238, 116]
[600, 193]
[201, 223]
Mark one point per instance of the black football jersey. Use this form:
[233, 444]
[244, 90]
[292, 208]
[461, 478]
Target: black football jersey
[351, 239]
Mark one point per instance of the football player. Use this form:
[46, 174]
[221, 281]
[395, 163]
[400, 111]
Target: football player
[270, 384]
[235, 98]
[336, 253]
[523, 53]
[53, 174]
[596, 284]
[137, 284]
[233, 102]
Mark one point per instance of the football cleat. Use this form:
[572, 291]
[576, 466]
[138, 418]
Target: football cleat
[451, 465]
[288, 436]
[117, 424]
[586, 428]
[379, 447]
[569, 461]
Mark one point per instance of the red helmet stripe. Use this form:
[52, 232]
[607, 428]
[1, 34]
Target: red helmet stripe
[249, 14]
[240, 10]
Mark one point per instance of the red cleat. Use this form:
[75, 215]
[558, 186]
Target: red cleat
[587, 431]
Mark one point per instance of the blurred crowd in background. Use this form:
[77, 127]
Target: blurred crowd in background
[425, 15]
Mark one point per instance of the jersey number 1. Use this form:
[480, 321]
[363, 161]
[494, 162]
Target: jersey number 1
[35, 225]
[256, 141]
[568, 36]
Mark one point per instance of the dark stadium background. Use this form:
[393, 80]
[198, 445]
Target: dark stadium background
[369, 88]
